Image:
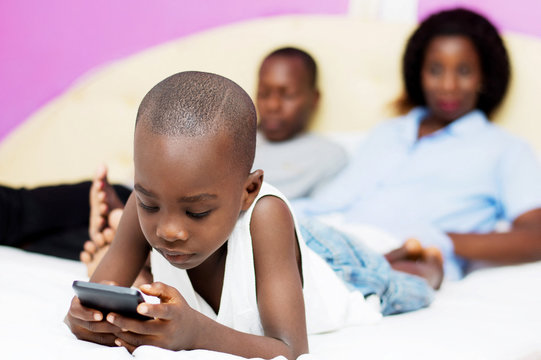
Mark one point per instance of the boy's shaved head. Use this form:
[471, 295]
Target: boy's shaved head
[195, 104]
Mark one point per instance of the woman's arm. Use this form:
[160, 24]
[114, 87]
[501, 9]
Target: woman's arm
[521, 244]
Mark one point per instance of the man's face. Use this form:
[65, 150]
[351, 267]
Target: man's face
[285, 98]
[189, 195]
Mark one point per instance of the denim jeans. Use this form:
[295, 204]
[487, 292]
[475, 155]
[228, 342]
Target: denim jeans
[364, 270]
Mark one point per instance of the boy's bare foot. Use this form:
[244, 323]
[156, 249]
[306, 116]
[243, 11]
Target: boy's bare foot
[105, 212]
[144, 277]
[93, 250]
[103, 199]
[412, 258]
[93, 253]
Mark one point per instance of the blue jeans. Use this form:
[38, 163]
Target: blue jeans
[364, 270]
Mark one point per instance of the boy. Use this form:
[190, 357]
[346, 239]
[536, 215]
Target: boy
[216, 231]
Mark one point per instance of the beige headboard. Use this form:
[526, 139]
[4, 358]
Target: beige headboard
[359, 75]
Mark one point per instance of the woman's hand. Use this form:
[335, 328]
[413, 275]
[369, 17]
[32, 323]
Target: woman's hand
[173, 327]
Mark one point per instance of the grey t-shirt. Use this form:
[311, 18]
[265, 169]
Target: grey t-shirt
[300, 165]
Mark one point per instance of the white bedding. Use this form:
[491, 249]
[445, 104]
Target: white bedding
[491, 314]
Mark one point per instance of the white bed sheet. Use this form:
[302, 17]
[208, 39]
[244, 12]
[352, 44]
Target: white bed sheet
[491, 314]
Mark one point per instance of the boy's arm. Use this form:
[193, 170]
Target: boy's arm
[522, 243]
[278, 273]
[120, 265]
[127, 253]
[279, 296]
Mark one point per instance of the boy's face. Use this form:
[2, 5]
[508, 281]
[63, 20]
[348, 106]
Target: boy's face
[189, 195]
[285, 99]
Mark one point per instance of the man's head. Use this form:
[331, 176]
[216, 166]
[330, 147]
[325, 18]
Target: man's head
[287, 95]
[193, 151]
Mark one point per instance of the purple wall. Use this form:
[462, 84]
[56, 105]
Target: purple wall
[515, 15]
[46, 45]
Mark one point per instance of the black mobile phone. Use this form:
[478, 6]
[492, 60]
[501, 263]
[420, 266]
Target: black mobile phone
[109, 298]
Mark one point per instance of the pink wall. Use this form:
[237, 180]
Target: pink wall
[514, 15]
[46, 45]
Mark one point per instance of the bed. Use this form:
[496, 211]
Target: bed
[491, 314]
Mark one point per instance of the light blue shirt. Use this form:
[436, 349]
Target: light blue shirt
[463, 178]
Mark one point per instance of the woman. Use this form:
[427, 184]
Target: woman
[443, 173]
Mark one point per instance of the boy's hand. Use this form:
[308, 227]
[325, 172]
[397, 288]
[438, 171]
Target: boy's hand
[173, 327]
[87, 324]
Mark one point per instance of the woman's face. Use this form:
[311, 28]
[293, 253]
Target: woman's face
[451, 77]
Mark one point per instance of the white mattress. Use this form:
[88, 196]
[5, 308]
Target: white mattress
[491, 314]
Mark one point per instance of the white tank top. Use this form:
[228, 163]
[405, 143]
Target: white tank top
[329, 305]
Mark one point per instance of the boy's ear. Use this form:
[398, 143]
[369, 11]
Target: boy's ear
[251, 188]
